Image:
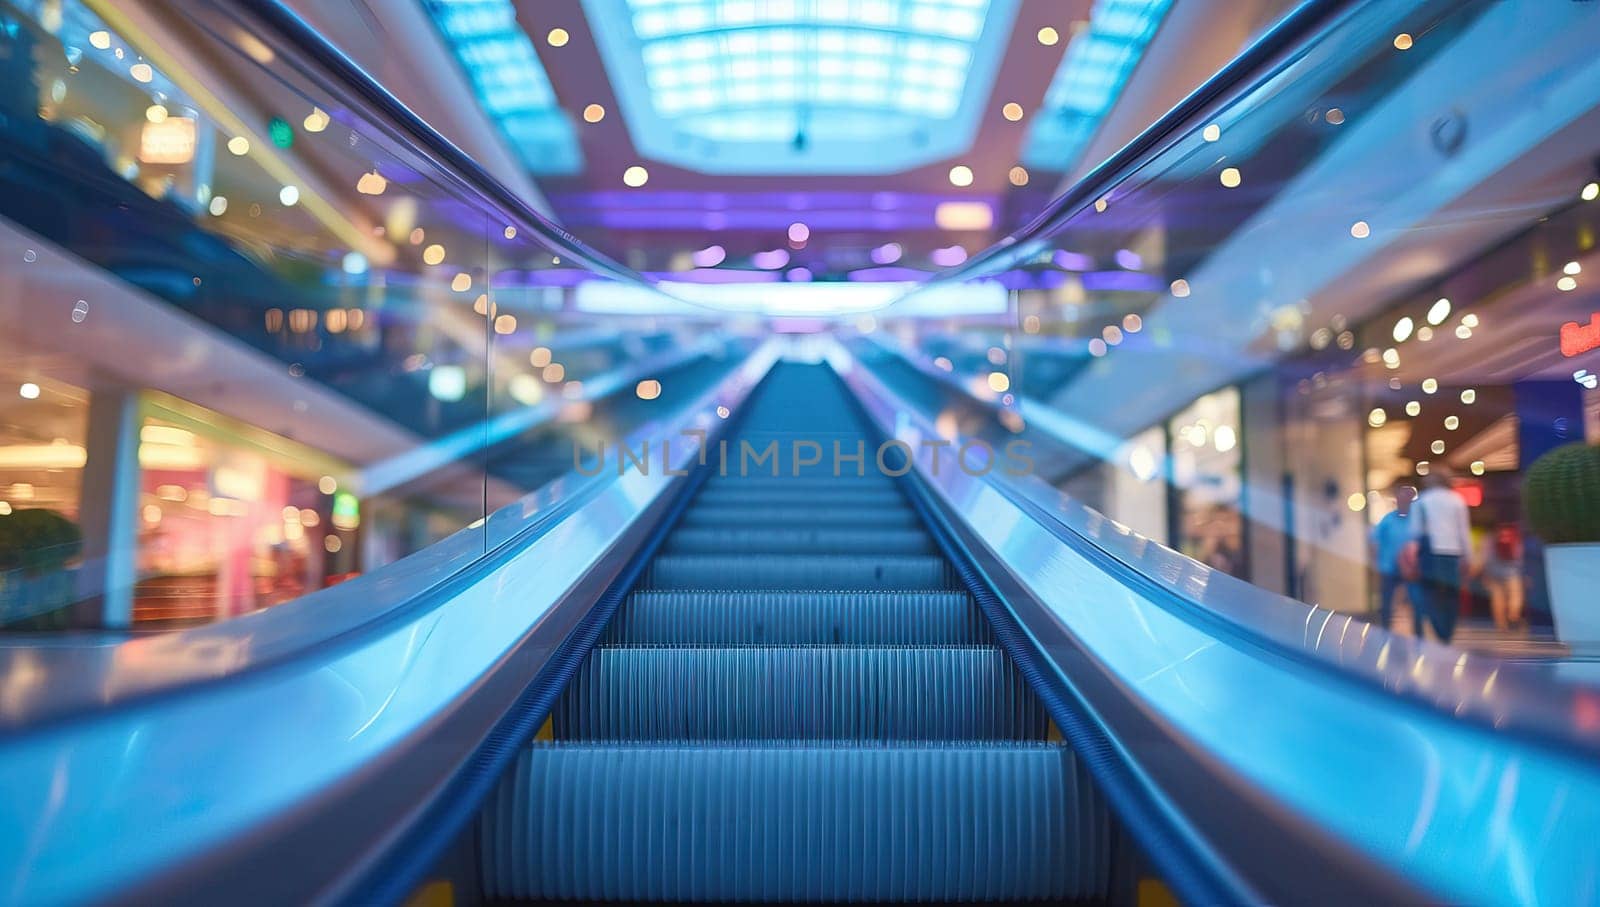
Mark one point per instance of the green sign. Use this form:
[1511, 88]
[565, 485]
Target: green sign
[281, 132]
[346, 511]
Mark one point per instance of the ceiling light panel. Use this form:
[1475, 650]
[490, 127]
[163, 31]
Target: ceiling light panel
[510, 82]
[1093, 71]
[794, 86]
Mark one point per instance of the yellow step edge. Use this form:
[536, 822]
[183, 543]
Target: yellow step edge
[1154, 893]
[437, 893]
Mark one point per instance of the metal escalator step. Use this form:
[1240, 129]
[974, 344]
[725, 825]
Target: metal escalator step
[848, 480]
[863, 517]
[808, 497]
[809, 540]
[798, 618]
[754, 823]
[831, 572]
[799, 693]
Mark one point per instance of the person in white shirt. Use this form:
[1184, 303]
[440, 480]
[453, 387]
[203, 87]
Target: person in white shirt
[1441, 541]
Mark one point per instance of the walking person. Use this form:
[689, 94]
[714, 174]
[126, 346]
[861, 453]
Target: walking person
[1388, 539]
[1441, 539]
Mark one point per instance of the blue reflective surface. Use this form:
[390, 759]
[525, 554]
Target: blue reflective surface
[1472, 813]
[370, 664]
[286, 374]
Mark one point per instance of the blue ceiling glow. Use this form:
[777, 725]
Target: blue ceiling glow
[511, 84]
[801, 86]
[1096, 66]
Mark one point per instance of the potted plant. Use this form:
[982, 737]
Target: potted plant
[35, 548]
[1562, 498]
[38, 541]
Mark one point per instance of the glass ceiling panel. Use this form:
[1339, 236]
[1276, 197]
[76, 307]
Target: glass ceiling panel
[772, 73]
[1097, 64]
[509, 81]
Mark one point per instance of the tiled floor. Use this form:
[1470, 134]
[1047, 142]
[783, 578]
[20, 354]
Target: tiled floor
[1478, 635]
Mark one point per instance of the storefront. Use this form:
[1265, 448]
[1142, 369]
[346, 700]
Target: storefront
[1207, 521]
[42, 455]
[1475, 375]
[1180, 482]
[233, 519]
[228, 519]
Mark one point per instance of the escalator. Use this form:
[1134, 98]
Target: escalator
[799, 701]
[754, 680]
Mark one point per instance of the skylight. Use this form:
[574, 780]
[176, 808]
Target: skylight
[1097, 64]
[510, 83]
[802, 86]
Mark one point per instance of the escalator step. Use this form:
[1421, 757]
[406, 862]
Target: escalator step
[798, 618]
[798, 701]
[848, 480]
[799, 693]
[809, 540]
[736, 514]
[783, 496]
[820, 572]
[795, 823]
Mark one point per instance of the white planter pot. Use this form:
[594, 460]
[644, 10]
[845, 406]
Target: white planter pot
[1573, 572]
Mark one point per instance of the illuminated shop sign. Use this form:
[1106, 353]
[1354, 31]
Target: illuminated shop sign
[170, 141]
[1580, 338]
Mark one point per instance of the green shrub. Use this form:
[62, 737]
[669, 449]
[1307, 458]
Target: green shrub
[38, 540]
[1562, 495]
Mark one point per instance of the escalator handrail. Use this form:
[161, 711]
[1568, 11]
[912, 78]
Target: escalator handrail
[324, 755]
[1280, 44]
[424, 140]
[1448, 681]
[1442, 776]
[84, 676]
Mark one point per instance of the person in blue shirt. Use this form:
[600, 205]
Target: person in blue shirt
[1388, 540]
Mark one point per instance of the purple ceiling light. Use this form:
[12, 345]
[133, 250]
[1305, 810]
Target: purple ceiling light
[1072, 261]
[887, 275]
[709, 257]
[713, 275]
[1124, 281]
[886, 254]
[771, 260]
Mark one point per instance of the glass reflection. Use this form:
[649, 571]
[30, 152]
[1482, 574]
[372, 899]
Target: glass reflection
[1366, 270]
[255, 347]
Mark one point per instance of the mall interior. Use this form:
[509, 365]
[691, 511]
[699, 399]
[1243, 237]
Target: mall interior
[874, 451]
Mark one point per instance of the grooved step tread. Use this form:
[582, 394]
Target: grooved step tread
[808, 497]
[834, 572]
[799, 701]
[694, 617]
[760, 823]
[799, 692]
[737, 514]
[806, 540]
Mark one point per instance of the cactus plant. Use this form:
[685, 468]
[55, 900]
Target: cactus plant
[1562, 495]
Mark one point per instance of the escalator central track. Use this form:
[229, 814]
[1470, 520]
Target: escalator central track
[798, 703]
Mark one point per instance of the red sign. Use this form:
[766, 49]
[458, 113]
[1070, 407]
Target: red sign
[1580, 338]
